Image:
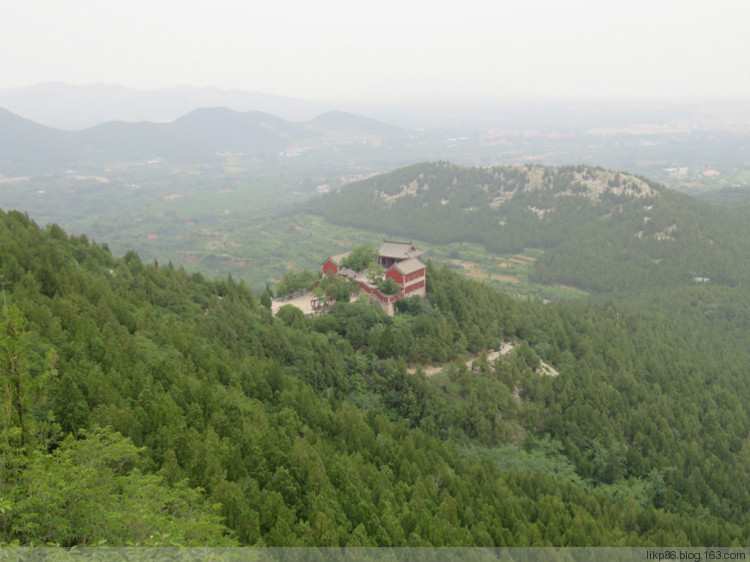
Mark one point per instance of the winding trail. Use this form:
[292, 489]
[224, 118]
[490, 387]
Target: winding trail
[430, 370]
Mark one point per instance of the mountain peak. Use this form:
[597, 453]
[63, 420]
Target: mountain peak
[343, 123]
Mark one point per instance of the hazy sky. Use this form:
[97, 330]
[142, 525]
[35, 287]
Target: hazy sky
[386, 50]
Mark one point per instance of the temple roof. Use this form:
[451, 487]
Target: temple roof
[399, 250]
[338, 258]
[409, 266]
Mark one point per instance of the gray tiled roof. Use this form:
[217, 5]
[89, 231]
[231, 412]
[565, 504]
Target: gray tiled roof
[409, 266]
[399, 250]
[337, 258]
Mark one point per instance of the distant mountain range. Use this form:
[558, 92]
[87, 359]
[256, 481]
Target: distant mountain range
[202, 135]
[340, 123]
[71, 107]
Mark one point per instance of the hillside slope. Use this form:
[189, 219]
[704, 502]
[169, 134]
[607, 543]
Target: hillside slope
[24, 141]
[311, 432]
[601, 231]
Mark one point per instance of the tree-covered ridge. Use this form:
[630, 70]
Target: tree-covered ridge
[312, 432]
[502, 198]
[445, 184]
[602, 231]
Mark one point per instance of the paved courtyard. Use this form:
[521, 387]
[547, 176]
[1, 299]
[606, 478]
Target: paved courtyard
[302, 302]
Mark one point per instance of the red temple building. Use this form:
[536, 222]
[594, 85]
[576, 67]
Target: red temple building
[401, 262]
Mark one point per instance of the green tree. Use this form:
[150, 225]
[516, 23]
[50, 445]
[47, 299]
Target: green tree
[294, 281]
[339, 288]
[14, 373]
[21, 391]
[291, 316]
[361, 257]
[265, 299]
[91, 491]
[389, 287]
[375, 273]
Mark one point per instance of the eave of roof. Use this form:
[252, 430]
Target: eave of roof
[409, 266]
[338, 258]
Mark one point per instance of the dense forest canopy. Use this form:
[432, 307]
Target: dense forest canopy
[200, 418]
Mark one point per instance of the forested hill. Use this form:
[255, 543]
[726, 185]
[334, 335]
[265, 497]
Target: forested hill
[143, 405]
[602, 231]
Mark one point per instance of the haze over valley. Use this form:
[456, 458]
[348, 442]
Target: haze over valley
[467, 275]
[204, 189]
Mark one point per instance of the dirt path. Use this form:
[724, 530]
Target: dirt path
[547, 369]
[491, 356]
[429, 370]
